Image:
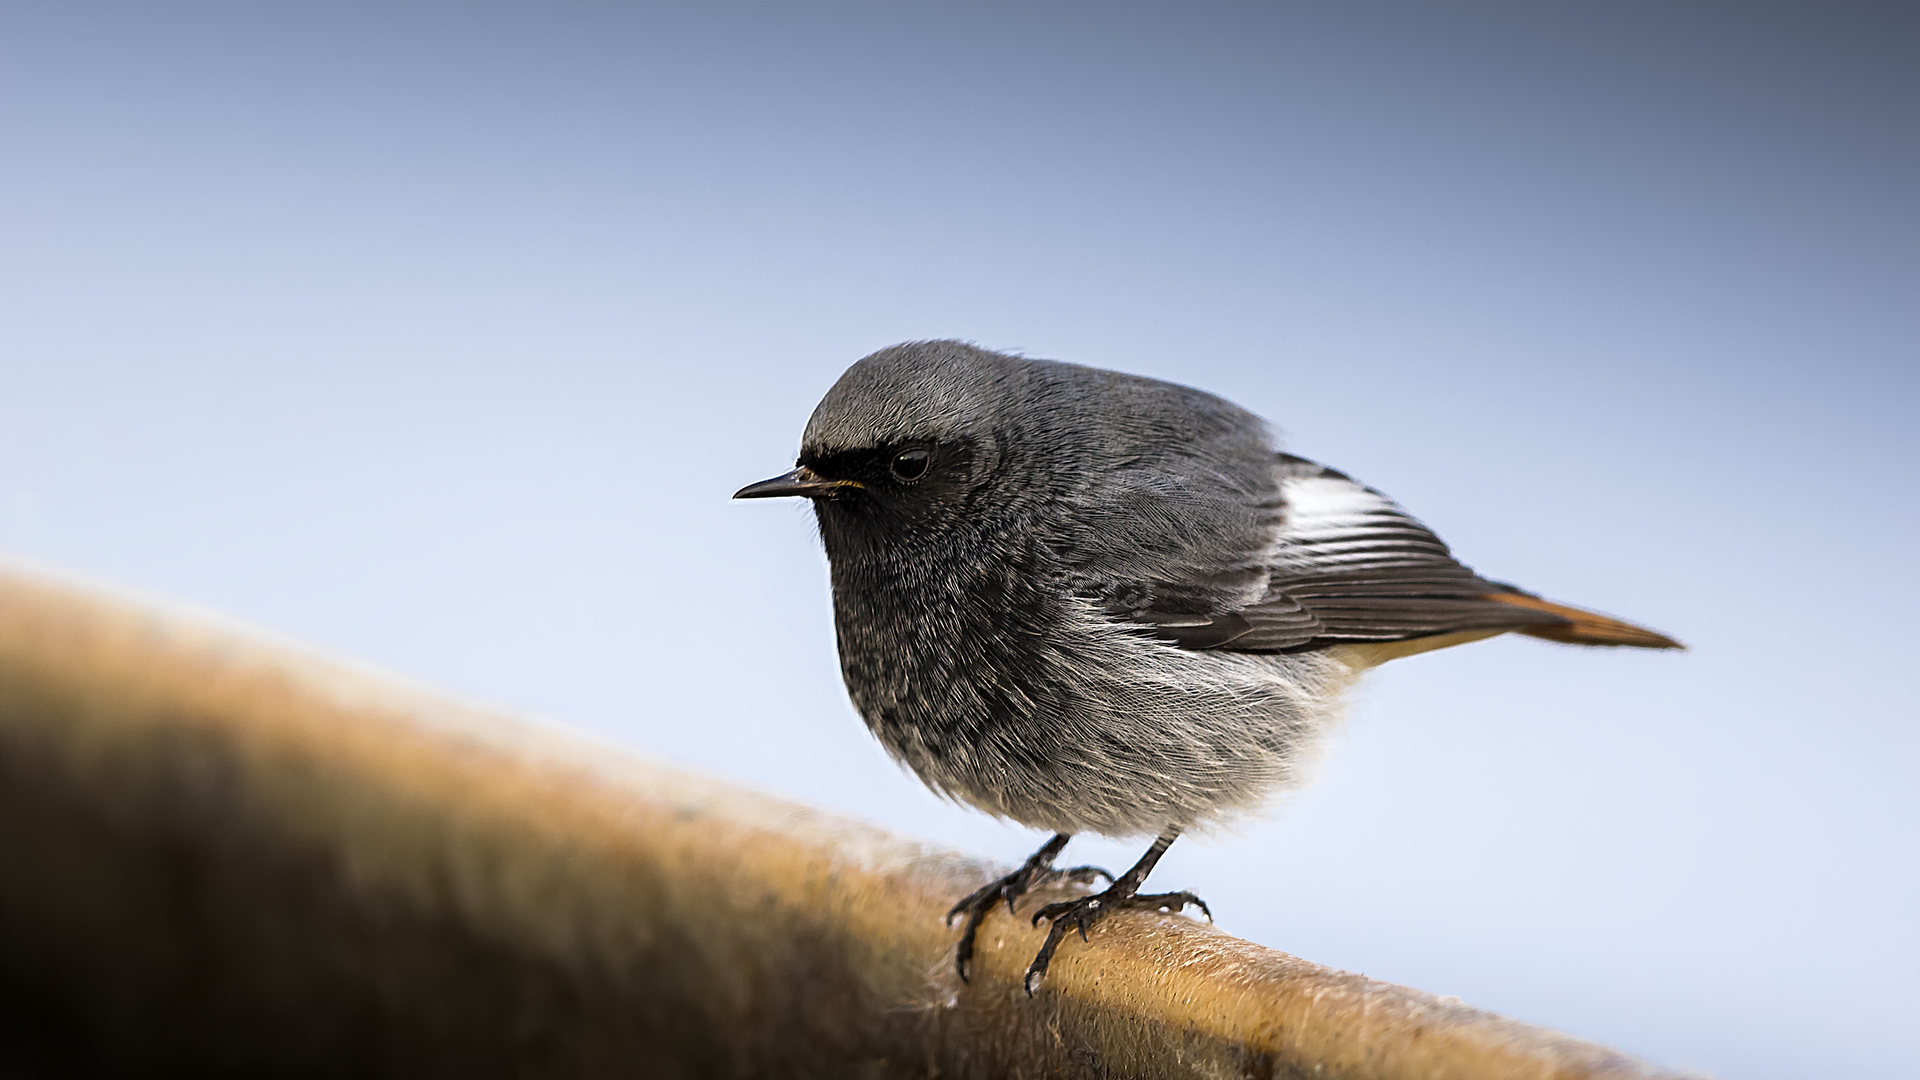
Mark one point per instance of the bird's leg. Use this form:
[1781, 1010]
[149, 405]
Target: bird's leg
[1034, 872]
[1125, 892]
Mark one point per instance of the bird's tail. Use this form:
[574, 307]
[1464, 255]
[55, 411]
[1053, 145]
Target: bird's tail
[1576, 626]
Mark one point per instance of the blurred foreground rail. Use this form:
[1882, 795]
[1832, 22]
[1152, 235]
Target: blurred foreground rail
[225, 854]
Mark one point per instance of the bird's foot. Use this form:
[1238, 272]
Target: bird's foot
[1081, 913]
[1035, 873]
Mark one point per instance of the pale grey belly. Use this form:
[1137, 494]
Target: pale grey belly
[1120, 736]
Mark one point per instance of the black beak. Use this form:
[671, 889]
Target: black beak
[801, 481]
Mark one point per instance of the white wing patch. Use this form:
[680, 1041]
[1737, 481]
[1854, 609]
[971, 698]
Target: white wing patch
[1335, 524]
[1348, 565]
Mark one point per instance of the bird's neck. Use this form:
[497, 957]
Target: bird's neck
[970, 586]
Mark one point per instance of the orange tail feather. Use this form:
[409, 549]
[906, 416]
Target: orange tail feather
[1584, 627]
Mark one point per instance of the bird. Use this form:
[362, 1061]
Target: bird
[1092, 602]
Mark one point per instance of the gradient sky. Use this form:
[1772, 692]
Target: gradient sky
[440, 335]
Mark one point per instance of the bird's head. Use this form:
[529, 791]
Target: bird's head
[920, 441]
[909, 444]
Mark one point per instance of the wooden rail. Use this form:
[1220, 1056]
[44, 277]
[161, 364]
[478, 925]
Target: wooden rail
[222, 853]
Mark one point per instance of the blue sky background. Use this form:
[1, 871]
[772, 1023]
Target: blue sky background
[441, 334]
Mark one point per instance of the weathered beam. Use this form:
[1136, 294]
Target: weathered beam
[224, 853]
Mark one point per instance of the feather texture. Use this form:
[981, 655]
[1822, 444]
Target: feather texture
[1347, 565]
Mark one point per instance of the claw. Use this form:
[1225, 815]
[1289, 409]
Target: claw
[1038, 969]
[1082, 913]
[1124, 892]
[1173, 901]
[1035, 872]
[974, 898]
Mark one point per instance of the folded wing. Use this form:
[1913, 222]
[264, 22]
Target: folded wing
[1348, 566]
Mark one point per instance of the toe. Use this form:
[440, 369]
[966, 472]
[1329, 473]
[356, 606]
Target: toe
[1052, 912]
[1085, 875]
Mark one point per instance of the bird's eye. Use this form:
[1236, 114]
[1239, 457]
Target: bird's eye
[910, 465]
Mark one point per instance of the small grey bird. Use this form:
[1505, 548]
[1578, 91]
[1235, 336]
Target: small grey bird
[1094, 602]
